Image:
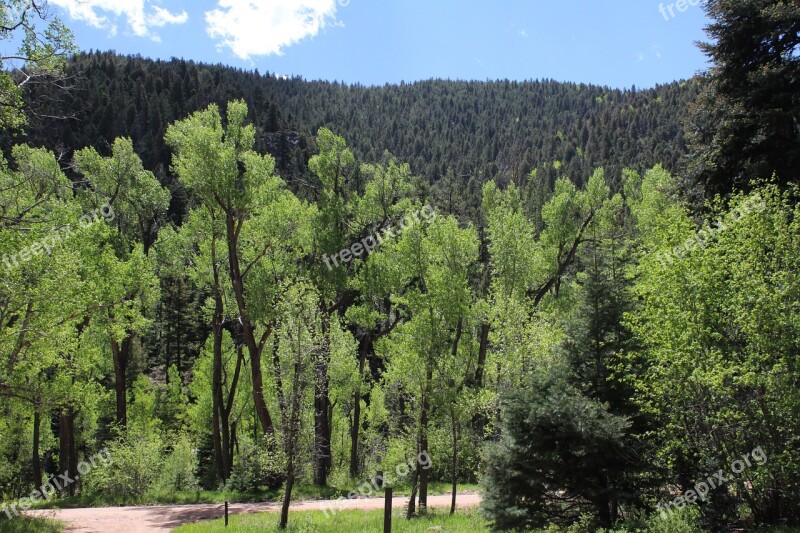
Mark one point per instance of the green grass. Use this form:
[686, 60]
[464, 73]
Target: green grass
[300, 492]
[347, 521]
[23, 524]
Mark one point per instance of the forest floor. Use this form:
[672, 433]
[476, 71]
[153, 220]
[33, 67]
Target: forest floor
[163, 518]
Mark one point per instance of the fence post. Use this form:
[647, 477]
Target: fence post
[387, 511]
[226, 514]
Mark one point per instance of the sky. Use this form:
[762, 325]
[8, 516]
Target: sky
[618, 43]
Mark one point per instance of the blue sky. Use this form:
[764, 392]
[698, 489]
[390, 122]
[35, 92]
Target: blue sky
[617, 42]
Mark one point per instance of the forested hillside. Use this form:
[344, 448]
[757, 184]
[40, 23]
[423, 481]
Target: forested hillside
[460, 134]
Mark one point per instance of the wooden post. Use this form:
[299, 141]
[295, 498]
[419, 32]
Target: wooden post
[387, 511]
[226, 514]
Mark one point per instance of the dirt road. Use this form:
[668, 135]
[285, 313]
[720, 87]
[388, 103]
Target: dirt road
[165, 518]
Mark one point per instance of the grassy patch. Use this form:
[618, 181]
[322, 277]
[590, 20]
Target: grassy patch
[24, 524]
[346, 521]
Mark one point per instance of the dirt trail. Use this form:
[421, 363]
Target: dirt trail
[165, 518]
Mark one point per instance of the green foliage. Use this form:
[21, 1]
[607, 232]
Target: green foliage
[142, 414]
[24, 524]
[171, 403]
[257, 468]
[605, 346]
[719, 336]
[135, 468]
[199, 411]
[744, 124]
[178, 468]
[556, 456]
[142, 467]
[137, 198]
[317, 522]
[40, 55]
[532, 262]
[685, 520]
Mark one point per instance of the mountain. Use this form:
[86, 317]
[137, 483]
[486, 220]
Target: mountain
[454, 134]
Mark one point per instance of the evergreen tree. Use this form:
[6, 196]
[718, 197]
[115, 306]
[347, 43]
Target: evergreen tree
[556, 456]
[745, 124]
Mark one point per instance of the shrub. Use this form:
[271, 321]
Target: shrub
[178, 470]
[684, 520]
[136, 464]
[257, 467]
[206, 472]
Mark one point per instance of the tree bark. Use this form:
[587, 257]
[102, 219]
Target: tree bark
[455, 459]
[216, 437]
[67, 461]
[423, 443]
[258, 394]
[233, 447]
[412, 504]
[219, 429]
[454, 421]
[603, 505]
[228, 428]
[121, 353]
[287, 493]
[291, 438]
[483, 348]
[37, 463]
[276, 369]
[287, 498]
[322, 423]
[322, 427]
[248, 330]
[364, 346]
[223, 452]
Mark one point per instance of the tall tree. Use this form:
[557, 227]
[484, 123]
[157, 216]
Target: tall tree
[302, 337]
[266, 228]
[594, 349]
[530, 270]
[717, 329]
[551, 461]
[197, 251]
[433, 261]
[334, 166]
[53, 289]
[745, 124]
[40, 57]
[119, 183]
[351, 218]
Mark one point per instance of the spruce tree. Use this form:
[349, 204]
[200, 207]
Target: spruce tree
[745, 124]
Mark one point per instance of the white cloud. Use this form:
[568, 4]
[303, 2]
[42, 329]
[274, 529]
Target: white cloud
[161, 17]
[105, 13]
[265, 27]
[523, 34]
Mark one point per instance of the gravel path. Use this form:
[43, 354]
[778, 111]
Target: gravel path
[165, 518]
